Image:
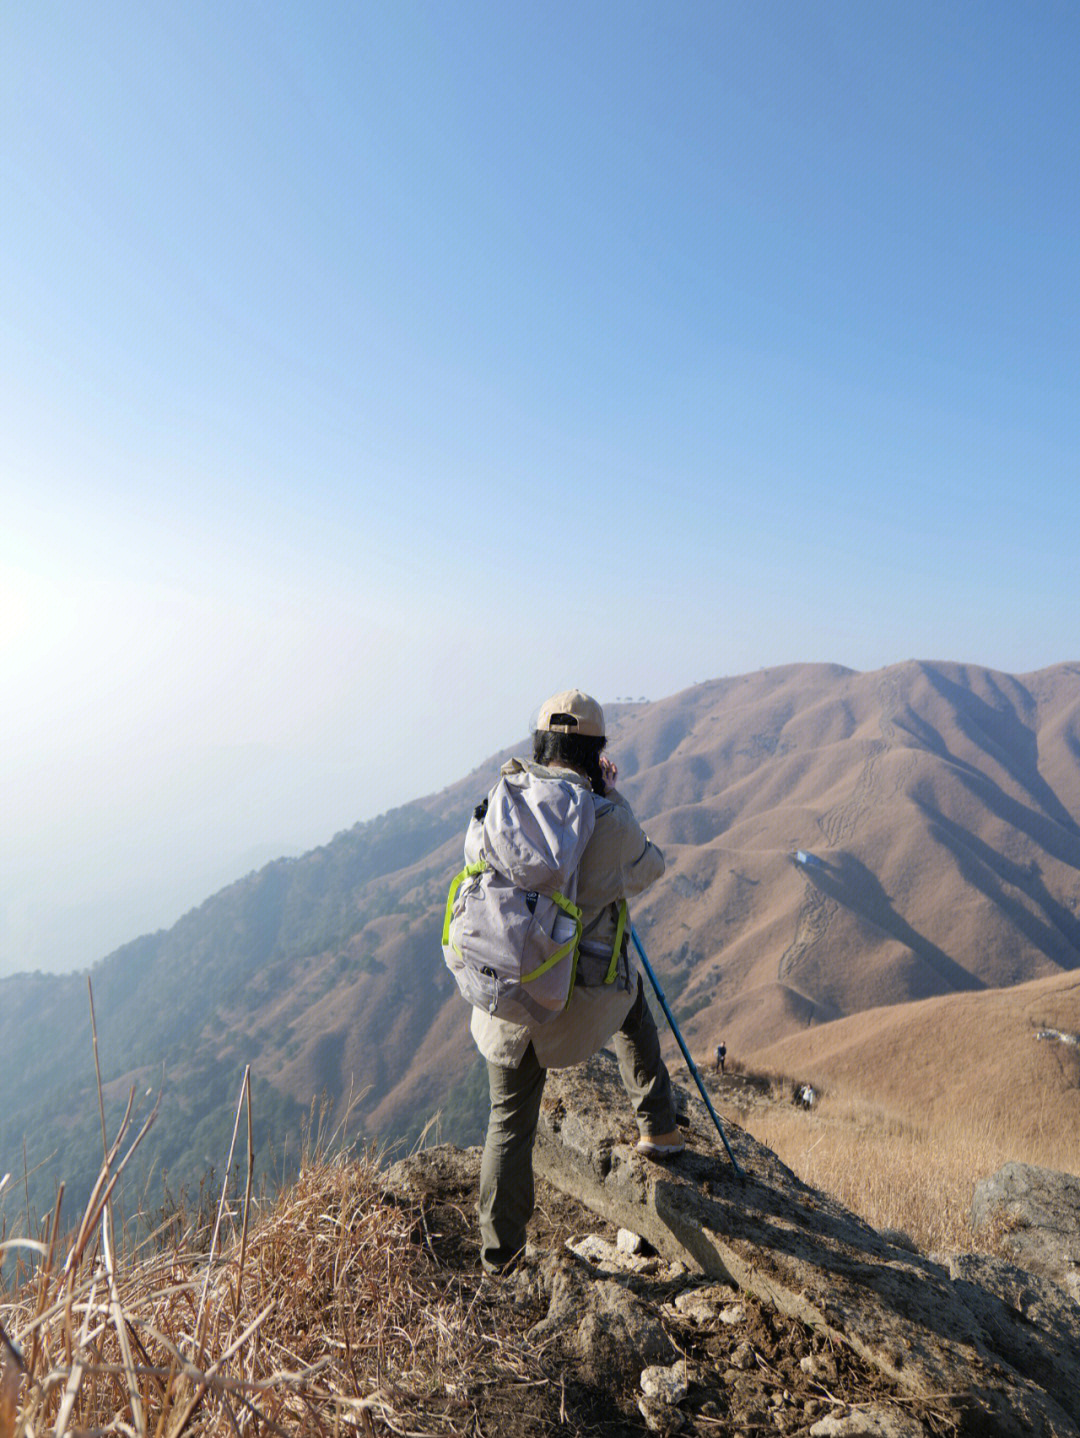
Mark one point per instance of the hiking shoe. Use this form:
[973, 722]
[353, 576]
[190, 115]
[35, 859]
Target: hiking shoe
[527, 1257]
[664, 1145]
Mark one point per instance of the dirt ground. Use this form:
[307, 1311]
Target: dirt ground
[744, 1379]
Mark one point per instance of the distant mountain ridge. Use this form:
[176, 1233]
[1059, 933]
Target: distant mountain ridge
[942, 802]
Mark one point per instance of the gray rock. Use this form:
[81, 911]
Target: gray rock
[701, 1305]
[1037, 1212]
[743, 1357]
[608, 1329]
[793, 1249]
[1028, 1319]
[667, 1384]
[820, 1366]
[660, 1417]
[899, 1239]
[606, 1257]
[874, 1421]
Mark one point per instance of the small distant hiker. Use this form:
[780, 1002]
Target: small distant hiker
[721, 1056]
[617, 862]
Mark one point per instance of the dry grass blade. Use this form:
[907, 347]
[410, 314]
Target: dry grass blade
[220, 1210]
[138, 1412]
[46, 1270]
[247, 1190]
[97, 1071]
[34, 1245]
[103, 1187]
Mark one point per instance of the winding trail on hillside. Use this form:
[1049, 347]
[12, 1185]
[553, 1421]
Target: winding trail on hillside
[811, 926]
[840, 823]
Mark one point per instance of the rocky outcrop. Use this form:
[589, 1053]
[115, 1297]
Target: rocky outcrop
[609, 1328]
[1027, 1320]
[988, 1355]
[634, 1342]
[1036, 1213]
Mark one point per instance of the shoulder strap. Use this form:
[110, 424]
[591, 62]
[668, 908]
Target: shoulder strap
[469, 871]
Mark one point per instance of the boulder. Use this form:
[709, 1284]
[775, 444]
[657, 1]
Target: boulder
[1029, 1321]
[1036, 1212]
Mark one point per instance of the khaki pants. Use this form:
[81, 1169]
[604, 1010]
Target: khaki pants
[506, 1173]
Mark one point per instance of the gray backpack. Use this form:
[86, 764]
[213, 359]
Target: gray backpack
[512, 931]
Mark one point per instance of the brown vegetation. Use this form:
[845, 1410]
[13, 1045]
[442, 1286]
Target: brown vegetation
[325, 1316]
[917, 1103]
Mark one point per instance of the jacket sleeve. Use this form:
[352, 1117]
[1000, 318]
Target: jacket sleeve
[620, 860]
[644, 870]
[642, 863]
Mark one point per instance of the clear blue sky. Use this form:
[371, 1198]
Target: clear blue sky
[368, 371]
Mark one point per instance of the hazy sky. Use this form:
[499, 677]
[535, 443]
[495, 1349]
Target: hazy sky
[368, 371]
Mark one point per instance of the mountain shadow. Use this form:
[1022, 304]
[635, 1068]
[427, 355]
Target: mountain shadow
[849, 883]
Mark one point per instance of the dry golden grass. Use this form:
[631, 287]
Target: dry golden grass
[321, 1315]
[920, 1101]
[918, 1178]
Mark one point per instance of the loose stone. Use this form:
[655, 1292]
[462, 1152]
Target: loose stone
[666, 1385]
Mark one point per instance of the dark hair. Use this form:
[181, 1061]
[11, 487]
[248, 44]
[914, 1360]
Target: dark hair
[582, 751]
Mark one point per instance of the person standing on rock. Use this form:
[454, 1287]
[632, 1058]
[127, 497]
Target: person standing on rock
[618, 862]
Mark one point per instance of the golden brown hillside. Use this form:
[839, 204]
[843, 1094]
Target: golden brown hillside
[916, 1103]
[940, 803]
[1008, 1059]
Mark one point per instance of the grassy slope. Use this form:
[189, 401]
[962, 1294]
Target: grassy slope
[917, 1103]
[970, 1054]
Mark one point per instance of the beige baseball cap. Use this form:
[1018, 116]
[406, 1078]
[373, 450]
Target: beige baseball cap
[572, 712]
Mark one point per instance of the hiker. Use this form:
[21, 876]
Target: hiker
[721, 1055]
[618, 861]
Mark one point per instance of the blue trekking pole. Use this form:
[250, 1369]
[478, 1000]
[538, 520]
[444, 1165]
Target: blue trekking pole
[685, 1051]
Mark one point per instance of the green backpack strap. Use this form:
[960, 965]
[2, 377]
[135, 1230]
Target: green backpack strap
[573, 912]
[469, 872]
[620, 934]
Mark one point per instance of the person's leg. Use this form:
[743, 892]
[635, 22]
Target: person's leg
[644, 1075]
[506, 1174]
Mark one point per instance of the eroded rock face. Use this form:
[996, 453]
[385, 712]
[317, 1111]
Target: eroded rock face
[1030, 1322]
[800, 1252]
[1038, 1214]
[749, 1368]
